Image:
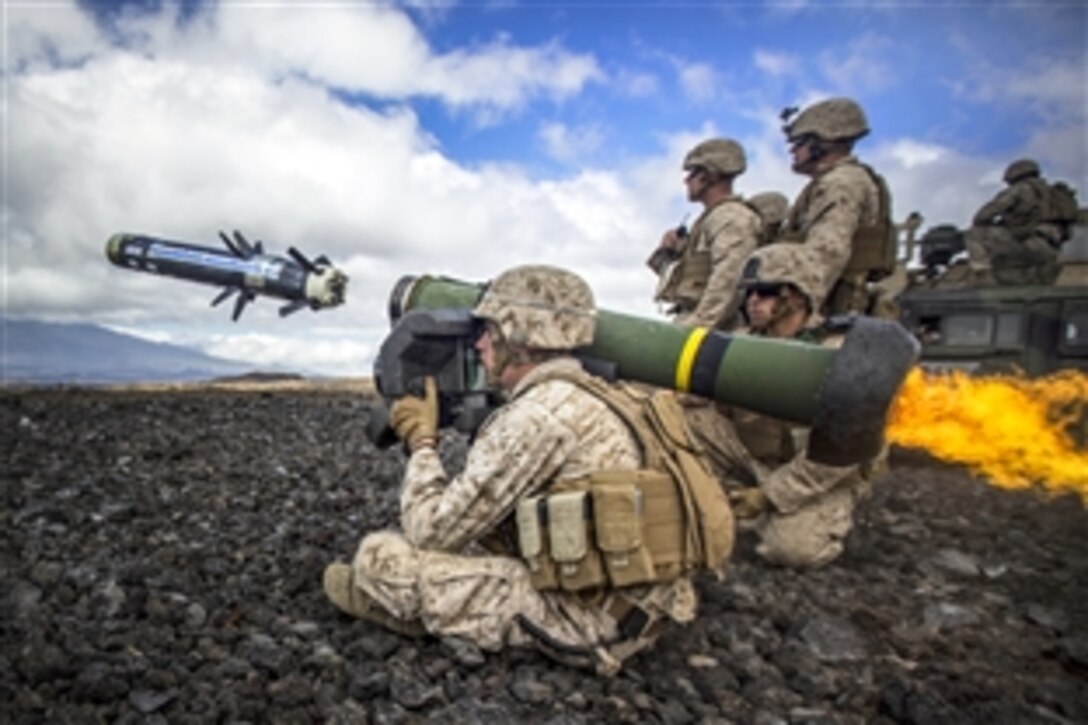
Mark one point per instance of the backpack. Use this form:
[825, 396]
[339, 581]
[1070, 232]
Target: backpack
[1060, 205]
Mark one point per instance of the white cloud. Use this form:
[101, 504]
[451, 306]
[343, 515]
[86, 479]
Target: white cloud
[38, 36]
[776, 63]
[910, 153]
[180, 141]
[699, 81]
[569, 144]
[635, 84]
[227, 122]
[862, 66]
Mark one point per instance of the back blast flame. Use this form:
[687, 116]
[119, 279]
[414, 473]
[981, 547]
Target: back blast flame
[1015, 431]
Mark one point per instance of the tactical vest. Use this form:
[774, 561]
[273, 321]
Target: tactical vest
[620, 528]
[688, 277]
[873, 250]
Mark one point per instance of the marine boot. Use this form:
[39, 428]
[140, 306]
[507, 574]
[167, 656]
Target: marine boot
[339, 584]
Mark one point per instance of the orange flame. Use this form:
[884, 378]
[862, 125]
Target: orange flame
[1010, 429]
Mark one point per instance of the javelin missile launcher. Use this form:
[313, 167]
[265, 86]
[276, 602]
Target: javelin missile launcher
[844, 394]
[242, 270]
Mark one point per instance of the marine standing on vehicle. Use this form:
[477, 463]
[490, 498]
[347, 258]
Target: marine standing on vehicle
[698, 270]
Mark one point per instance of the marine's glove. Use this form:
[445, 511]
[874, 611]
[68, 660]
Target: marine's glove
[415, 420]
[748, 503]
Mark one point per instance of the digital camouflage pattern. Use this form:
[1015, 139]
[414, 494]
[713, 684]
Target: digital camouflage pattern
[702, 284]
[542, 307]
[772, 207]
[812, 504]
[828, 213]
[831, 120]
[719, 155]
[782, 264]
[437, 571]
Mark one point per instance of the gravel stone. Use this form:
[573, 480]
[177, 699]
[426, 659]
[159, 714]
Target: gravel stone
[163, 553]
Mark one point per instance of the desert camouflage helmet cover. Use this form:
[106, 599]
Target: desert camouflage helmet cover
[722, 155]
[771, 206]
[830, 120]
[541, 307]
[783, 263]
[1020, 168]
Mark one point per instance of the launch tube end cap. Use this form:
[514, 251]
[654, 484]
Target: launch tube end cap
[858, 390]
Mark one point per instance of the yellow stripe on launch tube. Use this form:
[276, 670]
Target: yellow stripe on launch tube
[687, 358]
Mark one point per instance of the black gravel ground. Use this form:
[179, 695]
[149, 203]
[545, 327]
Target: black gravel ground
[163, 552]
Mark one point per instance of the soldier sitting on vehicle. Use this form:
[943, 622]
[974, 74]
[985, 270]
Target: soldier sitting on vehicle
[844, 213]
[537, 541]
[1015, 237]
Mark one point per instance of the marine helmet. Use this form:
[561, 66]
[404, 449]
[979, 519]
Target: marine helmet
[783, 263]
[771, 206]
[834, 119]
[540, 306]
[720, 155]
[1021, 168]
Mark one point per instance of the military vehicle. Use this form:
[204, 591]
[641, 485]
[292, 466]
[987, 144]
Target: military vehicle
[997, 325]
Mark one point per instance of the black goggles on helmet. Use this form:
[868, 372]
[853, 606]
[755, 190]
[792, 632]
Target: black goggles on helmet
[765, 289]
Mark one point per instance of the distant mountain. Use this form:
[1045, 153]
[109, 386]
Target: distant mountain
[49, 353]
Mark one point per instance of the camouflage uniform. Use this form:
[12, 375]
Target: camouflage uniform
[844, 213]
[810, 504]
[701, 284]
[828, 212]
[773, 208]
[1009, 227]
[727, 233]
[443, 570]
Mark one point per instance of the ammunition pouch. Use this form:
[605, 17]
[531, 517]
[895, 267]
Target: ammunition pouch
[621, 528]
[873, 252]
[612, 529]
[687, 279]
[875, 247]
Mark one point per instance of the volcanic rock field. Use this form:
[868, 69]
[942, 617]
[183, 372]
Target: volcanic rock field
[162, 563]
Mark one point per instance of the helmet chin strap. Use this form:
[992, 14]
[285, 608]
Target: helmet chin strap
[505, 355]
[816, 152]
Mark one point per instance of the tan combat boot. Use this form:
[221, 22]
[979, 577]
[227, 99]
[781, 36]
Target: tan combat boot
[340, 588]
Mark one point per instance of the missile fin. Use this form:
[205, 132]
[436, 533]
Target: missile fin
[293, 307]
[299, 257]
[224, 295]
[243, 244]
[244, 297]
[230, 245]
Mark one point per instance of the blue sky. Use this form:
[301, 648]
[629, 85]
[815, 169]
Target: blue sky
[462, 138]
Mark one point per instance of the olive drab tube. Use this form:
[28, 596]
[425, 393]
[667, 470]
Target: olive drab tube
[241, 269]
[843, 393]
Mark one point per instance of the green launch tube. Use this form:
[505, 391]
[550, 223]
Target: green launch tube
[842, 393]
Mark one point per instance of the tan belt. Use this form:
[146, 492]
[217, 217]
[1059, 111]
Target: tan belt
[632, 620]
